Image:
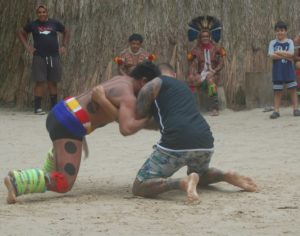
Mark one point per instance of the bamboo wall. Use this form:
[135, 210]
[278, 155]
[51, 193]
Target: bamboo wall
[100, 28]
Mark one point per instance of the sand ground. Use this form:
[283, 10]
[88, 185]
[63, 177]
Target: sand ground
[101, 202]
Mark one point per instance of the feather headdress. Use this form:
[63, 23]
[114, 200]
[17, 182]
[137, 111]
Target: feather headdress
[205, 23]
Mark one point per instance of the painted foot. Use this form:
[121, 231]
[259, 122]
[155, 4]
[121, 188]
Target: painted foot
[11, 193]
[190, 187]
[243, 182]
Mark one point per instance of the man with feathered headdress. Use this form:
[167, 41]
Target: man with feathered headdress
[206, 58]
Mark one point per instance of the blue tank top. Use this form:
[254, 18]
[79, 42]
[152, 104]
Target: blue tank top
[283, 70]
[181, 124]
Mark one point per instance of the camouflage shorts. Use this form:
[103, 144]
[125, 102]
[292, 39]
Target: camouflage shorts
[163, 164]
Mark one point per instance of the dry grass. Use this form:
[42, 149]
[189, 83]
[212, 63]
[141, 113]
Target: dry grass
[99, 31]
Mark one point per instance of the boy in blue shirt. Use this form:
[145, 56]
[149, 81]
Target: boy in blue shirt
[281, 50]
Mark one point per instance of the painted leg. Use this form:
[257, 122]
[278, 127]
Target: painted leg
[58, 175]
[67, 153]
[10, 179]
[150, 188]
[19, 182]
[213, 97]
[50, 165]
[214, 175]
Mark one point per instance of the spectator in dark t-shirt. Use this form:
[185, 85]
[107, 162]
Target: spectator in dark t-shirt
[46, 66]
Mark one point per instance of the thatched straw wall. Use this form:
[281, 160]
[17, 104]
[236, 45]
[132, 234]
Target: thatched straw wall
[100, 28]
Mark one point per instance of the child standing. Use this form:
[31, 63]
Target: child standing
[281, 50]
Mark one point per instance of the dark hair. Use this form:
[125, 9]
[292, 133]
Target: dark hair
[280, 25]
[145, 69]
[166, 66]
[135, 37]
[41, 6]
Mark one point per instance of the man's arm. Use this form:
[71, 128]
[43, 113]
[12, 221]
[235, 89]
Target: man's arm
[65, 41]
[146, 97]
[296, 49]
[288, 55]
[275, 57]
[271, 52]
[23, 36]
[126, 114]
[135, 114]
[281, 55]
[128, 124]
[120, 60]
[98, 96]
[194, 77]
[284, 55]
[151, 124]
[121, 69]
[221, 52]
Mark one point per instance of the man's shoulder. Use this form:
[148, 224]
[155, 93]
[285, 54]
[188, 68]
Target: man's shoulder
[32, 22]
[273, 42]
[127, 51]
[124, 51]
[55, 22]
[31, 25]
[121, 81]
[52, 20]
[196, 50]
[167, 78]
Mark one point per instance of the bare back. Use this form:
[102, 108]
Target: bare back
[118, 89]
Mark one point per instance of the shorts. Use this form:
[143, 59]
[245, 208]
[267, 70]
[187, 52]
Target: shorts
[279, 85]
[64, 122]
[46, 68]
[57, 130]
[163, 163]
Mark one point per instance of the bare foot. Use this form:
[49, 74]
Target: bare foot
[240, 181]
[190, 186]
[11, 194]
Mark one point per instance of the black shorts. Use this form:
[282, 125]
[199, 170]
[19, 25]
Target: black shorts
[46, 68]
[57, 130]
